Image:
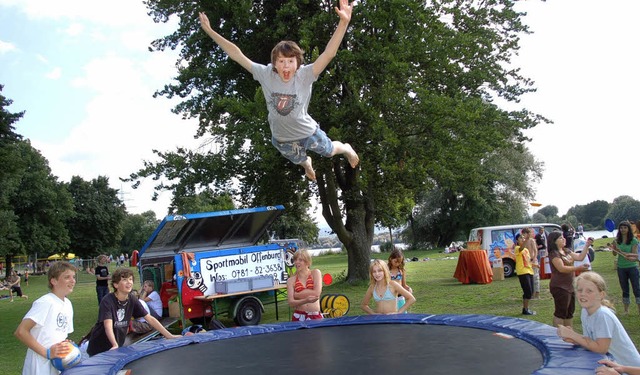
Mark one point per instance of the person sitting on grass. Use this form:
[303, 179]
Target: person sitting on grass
[116, 310]
[45, 327]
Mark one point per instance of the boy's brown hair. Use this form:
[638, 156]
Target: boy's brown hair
[286, 48]
[57, 269]
[119, 274]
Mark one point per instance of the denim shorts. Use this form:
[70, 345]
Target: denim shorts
[296, 151]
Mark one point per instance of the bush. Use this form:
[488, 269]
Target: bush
[386, 247]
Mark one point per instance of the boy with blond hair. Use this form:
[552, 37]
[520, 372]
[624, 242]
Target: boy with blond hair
[46, 325]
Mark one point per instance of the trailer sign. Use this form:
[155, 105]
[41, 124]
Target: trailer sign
[239, 266]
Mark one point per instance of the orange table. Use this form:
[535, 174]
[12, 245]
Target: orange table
[473, 267]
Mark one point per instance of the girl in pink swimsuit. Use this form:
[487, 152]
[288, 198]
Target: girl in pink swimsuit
[304, 288]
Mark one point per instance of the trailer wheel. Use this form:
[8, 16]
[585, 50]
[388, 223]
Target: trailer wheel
[248, 313]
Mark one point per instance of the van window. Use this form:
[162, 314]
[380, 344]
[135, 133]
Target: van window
[502, 239]
[476, 235]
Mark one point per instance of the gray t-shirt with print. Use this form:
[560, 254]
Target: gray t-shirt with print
[287, 102]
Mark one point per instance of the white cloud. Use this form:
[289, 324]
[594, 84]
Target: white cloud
[110, 13]
[74, 29]
[6, 47]
[55, 73]
[123, 124]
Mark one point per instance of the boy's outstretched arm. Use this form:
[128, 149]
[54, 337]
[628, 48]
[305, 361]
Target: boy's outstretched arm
[229, 48]
[332, 47]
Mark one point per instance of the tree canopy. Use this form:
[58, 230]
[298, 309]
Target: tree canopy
[412, 89]
[624, 208]
[96, 225]
[33, 204]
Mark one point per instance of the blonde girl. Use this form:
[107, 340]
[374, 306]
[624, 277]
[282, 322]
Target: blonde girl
[385, 291]
[304, 288]
[602, 331]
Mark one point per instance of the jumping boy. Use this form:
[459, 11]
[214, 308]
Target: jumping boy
[116, 310]
[286, 85]
[46, 325]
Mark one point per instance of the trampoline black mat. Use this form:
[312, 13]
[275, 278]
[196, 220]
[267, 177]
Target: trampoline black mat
[352, 349]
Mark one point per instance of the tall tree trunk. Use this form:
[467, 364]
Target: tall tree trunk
[356, 233]
[7, 269]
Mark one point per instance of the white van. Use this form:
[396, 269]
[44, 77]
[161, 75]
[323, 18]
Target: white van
[498, 241]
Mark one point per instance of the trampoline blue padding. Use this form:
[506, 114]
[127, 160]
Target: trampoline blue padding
[434, 344]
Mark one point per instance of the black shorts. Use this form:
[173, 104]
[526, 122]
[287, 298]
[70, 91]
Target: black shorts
[17, 289]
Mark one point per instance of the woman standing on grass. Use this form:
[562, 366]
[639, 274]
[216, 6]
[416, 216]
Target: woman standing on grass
[626, 247]
[561, 261]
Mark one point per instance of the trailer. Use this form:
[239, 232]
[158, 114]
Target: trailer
[210, 263]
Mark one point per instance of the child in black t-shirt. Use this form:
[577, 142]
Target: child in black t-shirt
[102, 277]
[116, 310]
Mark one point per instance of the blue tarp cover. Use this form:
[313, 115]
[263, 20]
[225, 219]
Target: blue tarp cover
[559, 357]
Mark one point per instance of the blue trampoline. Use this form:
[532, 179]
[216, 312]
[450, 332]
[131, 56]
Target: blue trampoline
[383, 344]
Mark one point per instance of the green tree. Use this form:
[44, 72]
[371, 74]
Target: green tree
[205, 201]
[136, 230]
[42, 204]
[34, 206]
[592, 215]
[549, 211]
[496, 194]
[623, 208]
[10, 243]
[411, 89]
[96, 226]
[539, 218]
[296, 223]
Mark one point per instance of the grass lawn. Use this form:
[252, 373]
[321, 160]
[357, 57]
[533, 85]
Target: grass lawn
[436, 291]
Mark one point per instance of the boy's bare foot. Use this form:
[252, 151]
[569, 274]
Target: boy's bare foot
[351, 155]
[311, 175]
[308, 169]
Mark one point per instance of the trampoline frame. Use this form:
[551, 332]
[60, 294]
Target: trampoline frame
[557, 355]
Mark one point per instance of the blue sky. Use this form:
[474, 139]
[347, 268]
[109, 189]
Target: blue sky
[82, 72]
